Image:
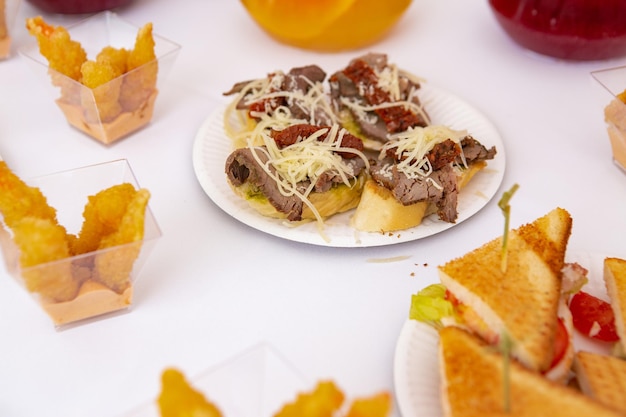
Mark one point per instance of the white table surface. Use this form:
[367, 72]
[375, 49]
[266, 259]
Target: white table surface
[213, 286]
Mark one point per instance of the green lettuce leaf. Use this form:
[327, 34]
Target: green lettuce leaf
[430, 305]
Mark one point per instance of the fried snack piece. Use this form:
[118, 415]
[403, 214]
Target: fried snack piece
[64, 55]
[18, 200]
[376, 406]
[117, 81]
[141, 76]
[323, 401]
[100, 100]
[102, 216]
[179, 399]
[114, 266]
[42, 241]
[143, 50]
[102, 76]
[116, 57]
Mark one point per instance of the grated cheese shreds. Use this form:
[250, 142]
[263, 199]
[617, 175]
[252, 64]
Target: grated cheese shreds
[414, 144]
[388, 80]
[314, 103]
[306, 160]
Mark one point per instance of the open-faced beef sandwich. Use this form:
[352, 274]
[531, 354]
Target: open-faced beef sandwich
[375, 99]
[419, 172]
[277, 101]
[302, 172]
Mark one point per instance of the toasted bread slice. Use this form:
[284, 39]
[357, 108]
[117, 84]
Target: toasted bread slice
[615, 282]
[473, 384]
[523, 300]
[379, 211]
[338, 199]
[548, 236]
[603, 378]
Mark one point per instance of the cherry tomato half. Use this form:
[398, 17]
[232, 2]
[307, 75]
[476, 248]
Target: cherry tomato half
[587, 310]
[561, 343]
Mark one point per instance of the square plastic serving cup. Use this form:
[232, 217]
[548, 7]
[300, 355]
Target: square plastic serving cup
[96, 112]
[8, 12]
[256, 382]
[68, 193]
[614, 81]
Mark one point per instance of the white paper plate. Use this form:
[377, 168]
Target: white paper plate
[212, 147]
[416, 360]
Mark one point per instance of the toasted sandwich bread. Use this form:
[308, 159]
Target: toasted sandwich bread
[521, 301]
[615, 282]
[548, 236]
[603, 378]
[473, 384]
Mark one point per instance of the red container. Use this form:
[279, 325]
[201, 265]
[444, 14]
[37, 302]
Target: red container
[566, 29]
[77, 6]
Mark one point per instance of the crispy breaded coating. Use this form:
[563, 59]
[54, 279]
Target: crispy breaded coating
[114, 266]
[101, 100]
[18, 199]
[102, 216]
[143, 50]
[63, 54]
[42, 241]
[116, 57]
[119, 80]
[111, 235]
[179, 398]
[325, 399]
[38, 236]
[378, 405]
[140, 79]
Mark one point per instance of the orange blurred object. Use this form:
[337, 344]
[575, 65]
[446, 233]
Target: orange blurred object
[327, 25]
[378, 405]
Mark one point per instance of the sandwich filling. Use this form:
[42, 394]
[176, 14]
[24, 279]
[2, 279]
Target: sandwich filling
[376, 99]
[438, 306]
[523, 303]
[459, 314]
[295, 163]
[420, 169]
[423, 164]
[277, 101]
